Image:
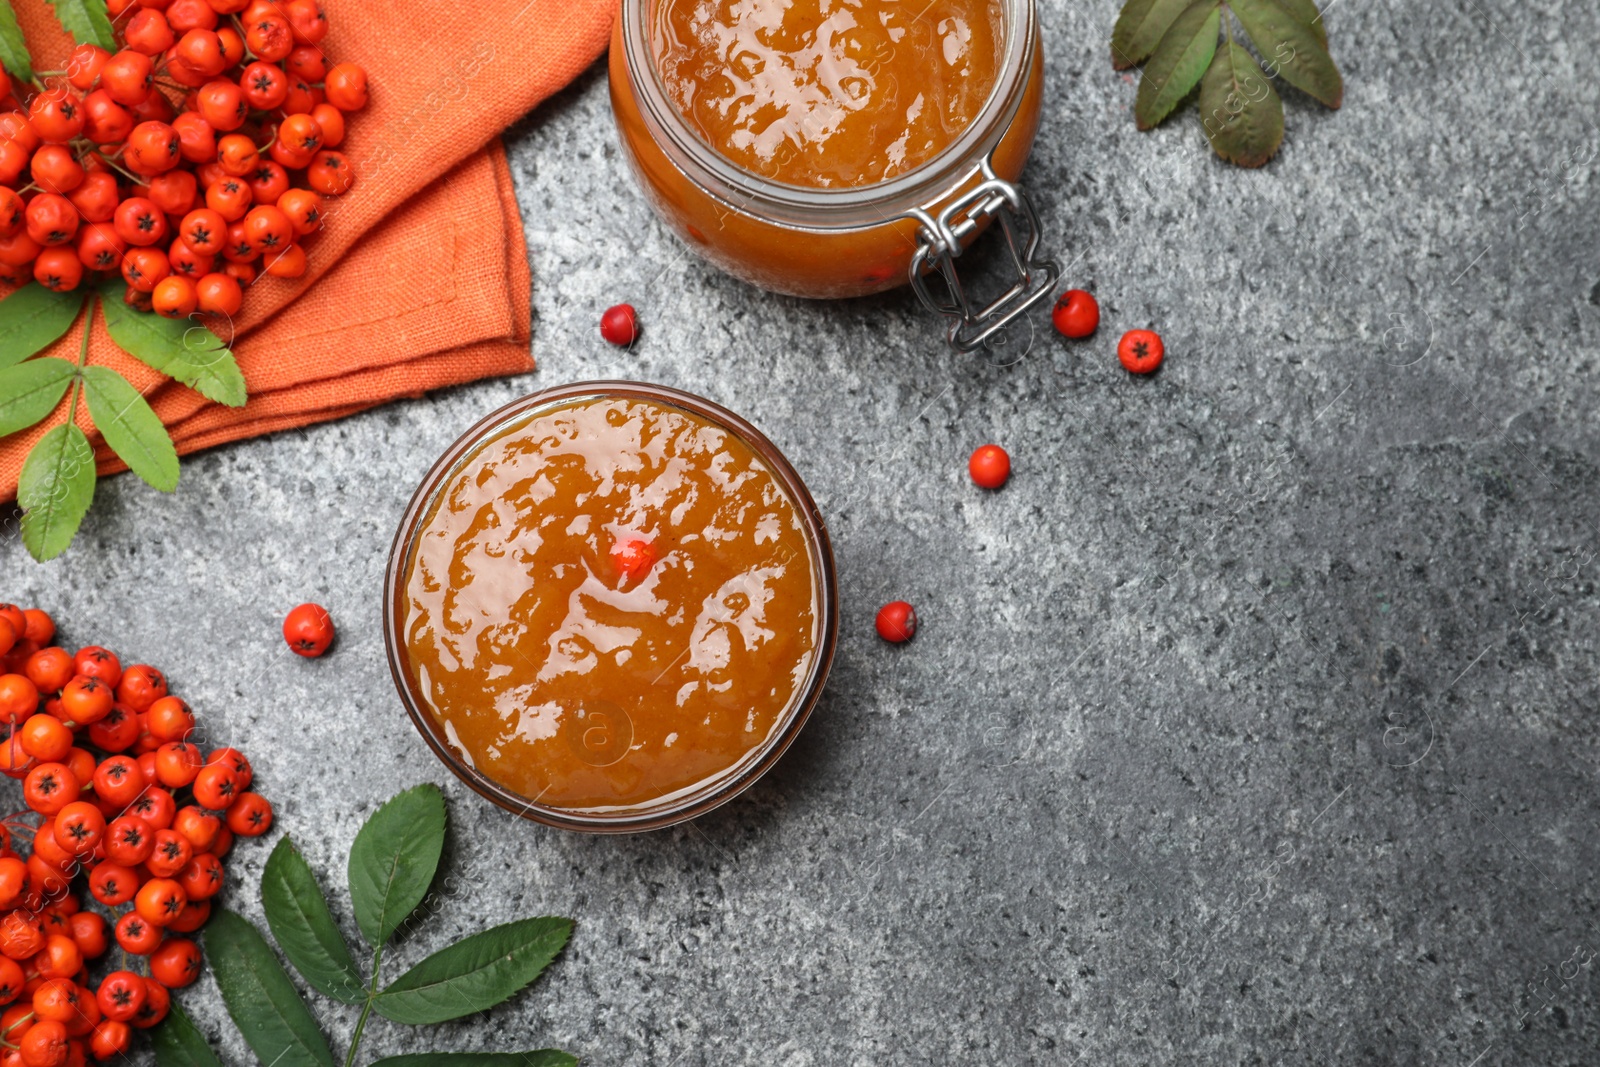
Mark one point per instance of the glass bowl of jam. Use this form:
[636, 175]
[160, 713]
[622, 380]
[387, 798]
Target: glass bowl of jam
[610, 606]
[834, 148]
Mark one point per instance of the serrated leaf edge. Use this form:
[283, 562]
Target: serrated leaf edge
[158, 467]
[357, 991]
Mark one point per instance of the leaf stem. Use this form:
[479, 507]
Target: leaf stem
[83, 357]
[366, 1010]
[355, 1038]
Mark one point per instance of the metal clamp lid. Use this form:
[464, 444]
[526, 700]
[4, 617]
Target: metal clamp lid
[940, 242]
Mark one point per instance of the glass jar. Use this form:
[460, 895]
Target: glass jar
[685, 803]
[826, 242]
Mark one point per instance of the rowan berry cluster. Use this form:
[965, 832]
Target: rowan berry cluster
[191, 160]
[127, 805]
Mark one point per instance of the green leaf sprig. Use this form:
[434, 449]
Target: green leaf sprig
[1178, 43]
[392, 864]
[57, 481]
[56, 484]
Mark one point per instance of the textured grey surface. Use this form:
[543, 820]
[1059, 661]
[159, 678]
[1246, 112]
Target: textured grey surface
[1254, 722]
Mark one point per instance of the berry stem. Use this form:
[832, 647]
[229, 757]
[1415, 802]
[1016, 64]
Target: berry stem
[117, 167]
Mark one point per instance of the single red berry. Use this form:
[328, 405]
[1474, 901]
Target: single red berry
[634, 557]
[1076, 314]
[989, 466]
[308, 629]
[897, 621]
[1140, 351]
[620, 325]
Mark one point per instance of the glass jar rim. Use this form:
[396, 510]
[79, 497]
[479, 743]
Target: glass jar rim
[686, 803]
[830, 208]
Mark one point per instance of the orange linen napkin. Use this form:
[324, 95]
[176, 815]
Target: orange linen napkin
[419, 276]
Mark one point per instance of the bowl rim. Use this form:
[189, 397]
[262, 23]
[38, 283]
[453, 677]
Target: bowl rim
[694, 800]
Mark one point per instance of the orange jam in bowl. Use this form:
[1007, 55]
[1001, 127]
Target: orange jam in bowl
[829, 93]
[610, 606]
[799, 145]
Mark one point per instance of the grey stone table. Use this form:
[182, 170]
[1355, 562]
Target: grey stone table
[1253, 722]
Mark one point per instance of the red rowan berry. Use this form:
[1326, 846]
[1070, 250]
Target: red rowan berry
[346, 86]
[159, 901]
[176, 963]
[84, 65]
[128, 77]
[330, 173]
[58, 269]
[1140, 351]
[86, 700]
[330, 120]
[250, 816]
[155, 1006]
[140, 222]
[111, 1040]
[222, 104]
[1076, 314]
[174, 297]
[306, 63]
[152, 148]
[186, 262]
[265, 85]
[218, 294]
[144, 268]
[173, 192]
[896, 622]
[201, 50]
[89, 933]
[11, 980]
[267, 182]
[148, 32]
[121, 995]
[97, 198]
[620, 325]
[45, 1044]
[141, 686]
[170, 856]
[269, 37]
[50, 787]
[55, 169]
[52, 220]
[136, 934]
[56, 115]
[287, 262]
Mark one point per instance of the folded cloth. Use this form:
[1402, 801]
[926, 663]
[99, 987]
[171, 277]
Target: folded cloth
[419, 276]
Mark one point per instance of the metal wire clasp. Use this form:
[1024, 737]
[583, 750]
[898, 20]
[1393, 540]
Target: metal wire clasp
[940, 242]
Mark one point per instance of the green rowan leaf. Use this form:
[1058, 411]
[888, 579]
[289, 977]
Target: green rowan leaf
[86, 21]
[1305, 11]
[178, 348]
[33, 317]
[545, 1057]
[1140, 28]
[1178, 63]
[31, 390]
[1239, 108]
[13, 47]
[179, 1043]
[475, 973]
[261, 999]
[1290, 50]
[393, 860]
[130, 427]
[55, 489]
[304, 928]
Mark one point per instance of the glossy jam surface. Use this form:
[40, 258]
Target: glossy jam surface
[829, 93]
[608, 603]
